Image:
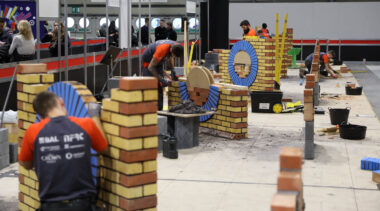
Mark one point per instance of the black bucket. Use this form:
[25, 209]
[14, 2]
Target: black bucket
[354, 91]
[353, 132]
[339, 115]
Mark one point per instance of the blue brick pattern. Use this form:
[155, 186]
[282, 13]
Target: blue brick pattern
[372, 164]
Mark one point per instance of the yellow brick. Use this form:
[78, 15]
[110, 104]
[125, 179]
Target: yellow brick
[226, 124]
[222, 107]
[244, 119]
[151, 209]
[111, 198]
[234, 98]
[233, 109]
[243, 98]
[28, 107]
[111, 128]
[23, 189]
[129, 193]
[232, 130]
[150, 166]
[221, 128]
[105, 116]
[126, 144]
[29, 78]
[29, 182]
[110, 105]
[226, 113]
[223, 118]
[150, 189]
[47, 78]
[23, 207]
[35, 88]
[226, 91]
[84, 92]
[32, 117]
[33, 175]
[34, 194]
[150, 95]
[150, 142]
[127, 121]
[244, 130]
[22, 115]
[125, 168]
[21, 133]
[110, 175]
[31, 98]
[113, 152]
[234, 120]
[226, 102]
[31, 202]
[150, 119]
[23, 171]
[22, 96]
[126, 96]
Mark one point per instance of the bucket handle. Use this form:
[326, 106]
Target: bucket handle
[348, 108]
[344, 123]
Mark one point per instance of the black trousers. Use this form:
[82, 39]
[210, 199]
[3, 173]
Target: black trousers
[160, 105]
[85, 204]
[322, 70]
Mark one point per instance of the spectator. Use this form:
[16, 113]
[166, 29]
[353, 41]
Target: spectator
[5, 42]
[145, 33]
[45, 35]
[134, 39]
[114, 34]
[265, 30]
[53, 48]
[23, 45]
[160, 32]
[172, 35]
[103, 30]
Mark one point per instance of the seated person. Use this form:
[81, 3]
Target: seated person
[23, 45]
[5, 42]
[53, 48]
[325, 67]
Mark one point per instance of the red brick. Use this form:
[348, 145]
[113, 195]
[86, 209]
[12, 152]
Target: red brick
[239, 114]
[139, 155]
[20, 197]
[20, 105]
[139, 203]
[138, 108]
[269, 74]
[239, 104]
[141, 179]
[308, 92]
[309, 84]
[268, 82]
[138, 83]
[269, 89]
[20, 87]
[239, 125]
[289, 30]
[21, 178]
[289, 181]
[310, 77]
[270, 47]
[284, 202]
[31, 68]
[308, 99]
[291, 158]
[20, 123]
[270, 61]
[136, 132]
[239, 92]
[270, 54]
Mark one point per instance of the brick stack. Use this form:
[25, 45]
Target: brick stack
[265, 51]
[230, 120]
[29, 83]
[199, 96]
[128, 171]
[287, 59]
[308, 98]
[289, 196]
[315, 64]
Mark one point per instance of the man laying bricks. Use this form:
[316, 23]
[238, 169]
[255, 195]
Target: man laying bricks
[59, 147]
[325, 67]
[247, 29]
[153, 58]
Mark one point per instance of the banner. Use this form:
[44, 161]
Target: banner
[19, 10]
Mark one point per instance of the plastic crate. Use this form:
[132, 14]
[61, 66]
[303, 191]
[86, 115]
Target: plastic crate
[264, 101]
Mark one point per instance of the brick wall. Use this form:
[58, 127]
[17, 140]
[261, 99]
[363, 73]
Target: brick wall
[230, 120]
[287, 59]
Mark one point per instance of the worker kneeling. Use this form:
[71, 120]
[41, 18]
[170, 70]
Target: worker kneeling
[59, 146]
[153, 59]
[325, 67]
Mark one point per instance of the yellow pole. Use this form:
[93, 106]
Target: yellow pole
[276, 54]
[278, 74]
[191, 56]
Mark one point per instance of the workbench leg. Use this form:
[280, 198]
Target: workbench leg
[317, 90]
[171, 125]
[309, 140]
[186, 132]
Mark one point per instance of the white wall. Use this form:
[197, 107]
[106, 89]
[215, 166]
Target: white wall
[345, 20]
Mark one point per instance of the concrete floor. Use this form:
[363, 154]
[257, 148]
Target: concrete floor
[241, 175]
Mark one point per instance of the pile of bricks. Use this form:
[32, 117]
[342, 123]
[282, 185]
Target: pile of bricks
[128, 170]
[316, 61]
[265, 52]
[308, 112]
[287, 59]
[29, 83]
[230, 120]
[289, 194]
[199, 96]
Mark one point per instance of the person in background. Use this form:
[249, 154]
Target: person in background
[261, 34]
[59, 149]
[325, 67]
[113, 34]
[145, 33]
[247, 29]
[5, 42]
[23, 44]
[103, 30]
[161, 32]
[172, 35]
[45, 35]
[153, 59]
[53, 48]
[265, 30]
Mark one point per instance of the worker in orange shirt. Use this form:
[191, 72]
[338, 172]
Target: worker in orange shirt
[247, 29]
[265, 30]
[325, 67]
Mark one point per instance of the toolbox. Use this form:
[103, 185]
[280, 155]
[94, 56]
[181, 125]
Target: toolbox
[264, 101]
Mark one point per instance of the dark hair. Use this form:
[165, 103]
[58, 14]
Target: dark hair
[162, 20]
[2, 20]
[146, 20]
[332, 52]
[177, 50]
[264, 26]
[245, 23]
[44, 102]
[170, 24]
